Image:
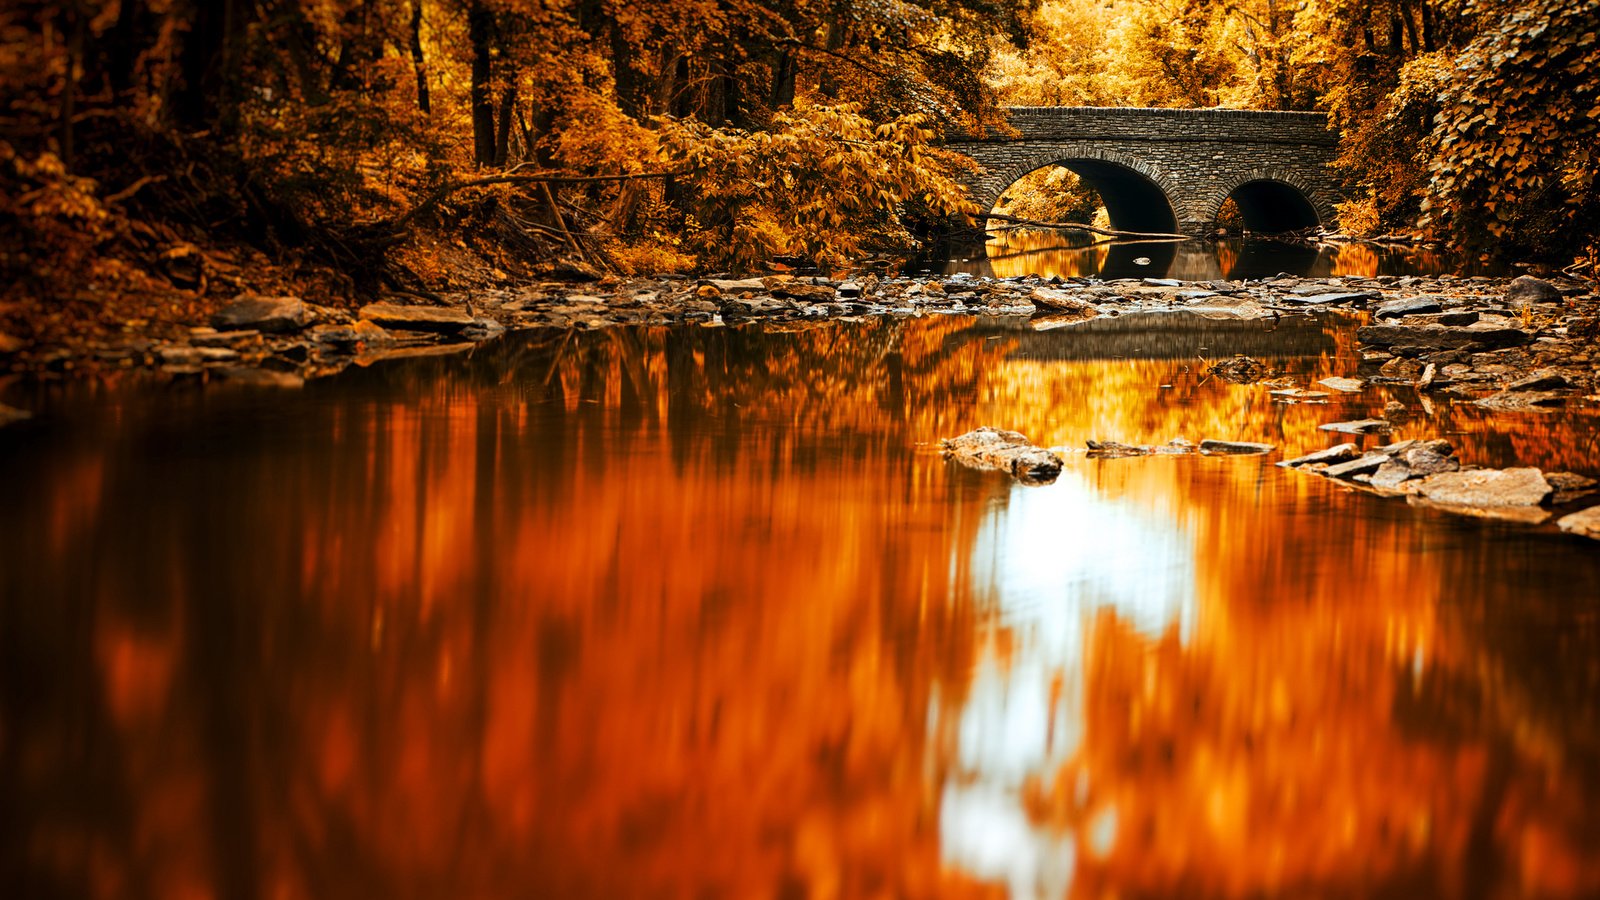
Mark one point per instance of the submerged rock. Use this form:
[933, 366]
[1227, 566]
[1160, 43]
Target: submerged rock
[269, 314]
[1583, 524]
[1116, 449]
[1359, 426]
[1003, 451]
[1240, 370]
[1487, 487]
[1235, 448]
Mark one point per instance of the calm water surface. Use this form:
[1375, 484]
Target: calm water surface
[1072, 254]
[702, 613]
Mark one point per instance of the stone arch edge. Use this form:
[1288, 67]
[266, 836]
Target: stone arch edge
[1327, 213]
[991, 183]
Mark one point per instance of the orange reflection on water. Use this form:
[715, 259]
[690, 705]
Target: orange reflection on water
[660, 613]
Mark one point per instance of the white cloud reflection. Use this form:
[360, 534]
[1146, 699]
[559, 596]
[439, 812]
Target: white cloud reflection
[1051, 558]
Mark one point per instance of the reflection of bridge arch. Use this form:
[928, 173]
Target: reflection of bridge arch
[1186, 161]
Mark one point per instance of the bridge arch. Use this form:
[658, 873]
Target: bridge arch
[1194, 158]
[1272, 200]
[1138, 195]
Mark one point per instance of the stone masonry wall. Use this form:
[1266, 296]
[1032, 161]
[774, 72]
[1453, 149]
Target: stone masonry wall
[1196, 156]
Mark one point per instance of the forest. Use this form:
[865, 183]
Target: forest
[174, 150]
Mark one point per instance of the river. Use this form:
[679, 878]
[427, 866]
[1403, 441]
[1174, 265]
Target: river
[701, 612]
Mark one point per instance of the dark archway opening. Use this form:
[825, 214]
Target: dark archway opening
[1132, 202]
[1271, 207]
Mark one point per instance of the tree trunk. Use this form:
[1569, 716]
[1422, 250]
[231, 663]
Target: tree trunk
[783, 76]
[417, 61]
[205, 63]
[480, 29]
[502, 142]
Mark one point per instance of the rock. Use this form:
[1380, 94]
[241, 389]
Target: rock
[1299, 394]
[1401, 369]
[1371, 462]
[482, 329]
[1410, 306]
[1583, 524]
[1487, 487]
[1234, 448]
[1335, 454]
[362, 332]
[736, 286]
[1542, 380]
[810, 293]
[210, 337]
[1391, 475]
[438, 319]
[1240, 370]
[261, 377]
[10, 415]
[1478, 336]
[1230, 308]
[1358, 298]
[1569, 486]
[1528, 289]
[1116, 449]
[1429, 461]
[1062, 302]
[1359, 426]
[1394, 409]
[1347, 385]
[1142, 261]
[1003, 451]
[1522, 401]
[1163, 282]
[269, 314]
[849, 290]
[708, 292]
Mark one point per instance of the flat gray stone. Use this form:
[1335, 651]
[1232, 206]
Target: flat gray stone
[1234, 448]
[1528, 289]
[1336, 298]
[1346, 385]
[273, 315]
[1363, 465]
[1392, 474]
[1478, 336]
[1585, 523]
[1487, 487]
[1410, 306]
[1335, 454]
[1358, 426]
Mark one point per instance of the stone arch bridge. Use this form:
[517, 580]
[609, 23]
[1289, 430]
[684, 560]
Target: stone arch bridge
[1169, 170]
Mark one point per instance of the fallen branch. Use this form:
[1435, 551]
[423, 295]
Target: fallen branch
[1074, 226]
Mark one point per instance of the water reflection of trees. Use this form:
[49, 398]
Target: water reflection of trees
[642, 613]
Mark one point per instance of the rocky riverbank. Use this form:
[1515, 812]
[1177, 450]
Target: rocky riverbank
[1525, 343]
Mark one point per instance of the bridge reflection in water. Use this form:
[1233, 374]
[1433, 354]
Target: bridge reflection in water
[1045, 253]
[697, 612]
